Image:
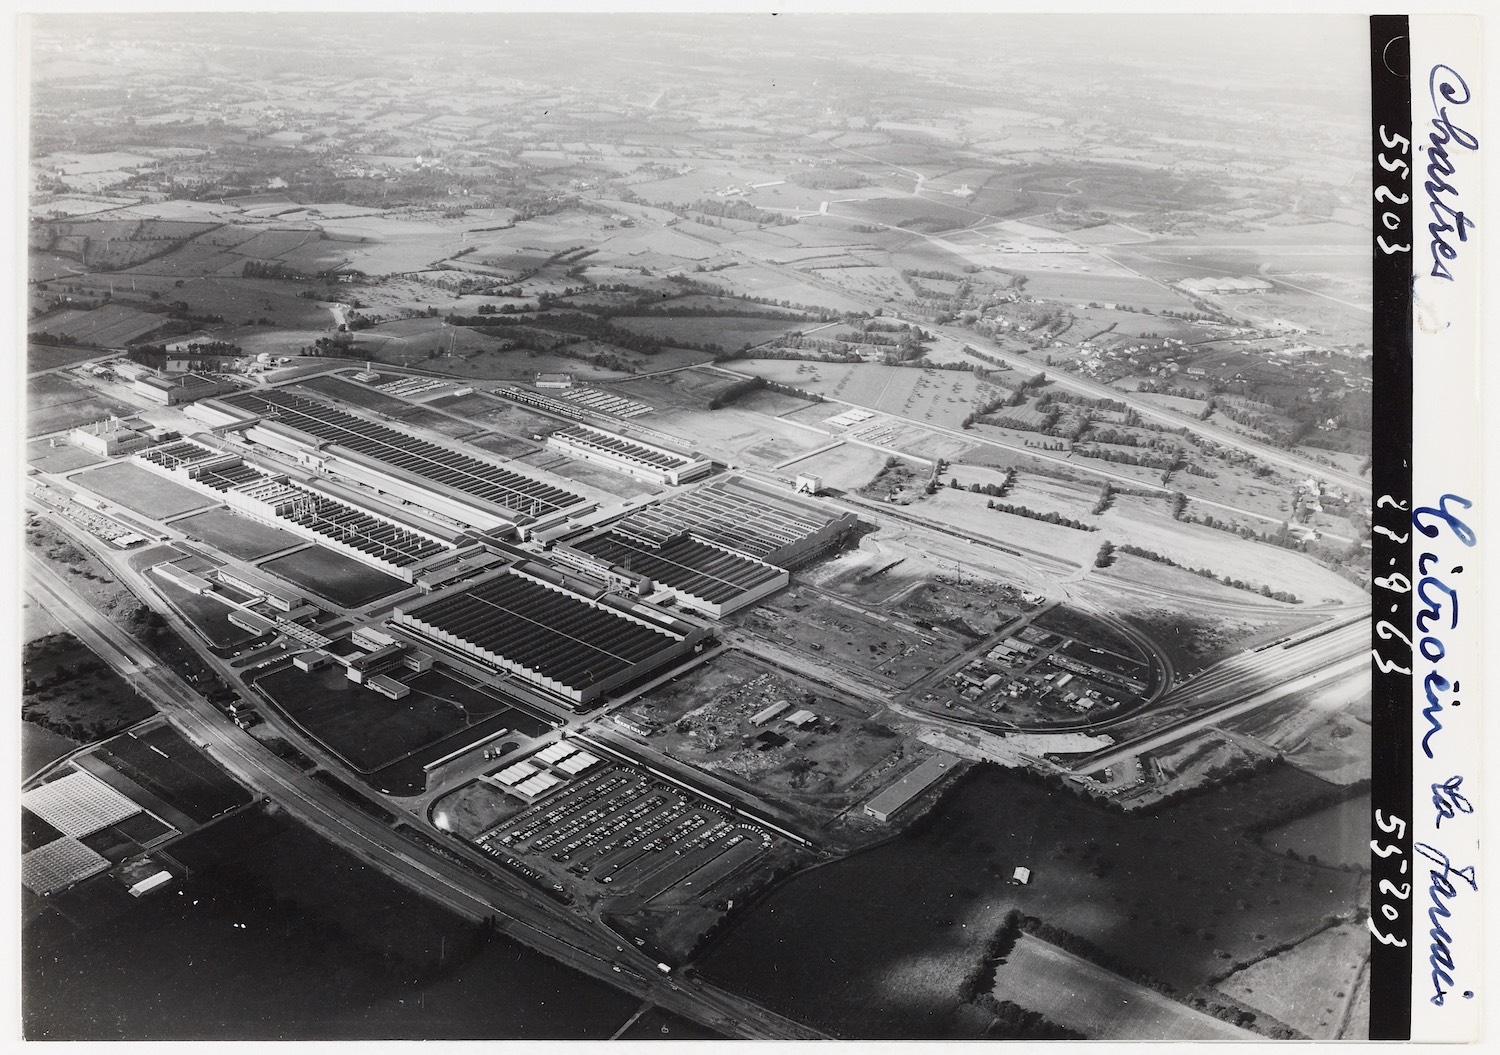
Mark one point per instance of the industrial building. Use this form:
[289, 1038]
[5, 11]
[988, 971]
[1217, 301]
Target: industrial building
[182, 578]
[742, 517]
[180, 388]
[309, 510]
[251, 621]
[460, 485]
[900, 794]
[282, 598]
[551, 631]
[108, 437]
[629, 455]
[701, 576]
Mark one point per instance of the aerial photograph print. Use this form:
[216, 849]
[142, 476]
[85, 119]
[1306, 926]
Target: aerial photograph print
[696, 526]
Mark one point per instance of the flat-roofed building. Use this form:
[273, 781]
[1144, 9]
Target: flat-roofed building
[183, 579]
[900, 794]
[629, 455]
[743, 517]
[180, 388]
[108, 438]
[550, 631]
[310, 661]
[388, 686]
[251, 621]
[381, 661]
[702, 576]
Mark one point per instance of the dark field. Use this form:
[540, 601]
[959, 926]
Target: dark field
[343, 580]
[51, 356]
[140, 490]
[329, 949]
[873, 946]
[353, 392]
[236, 535]
[163, 763]
[370, 731]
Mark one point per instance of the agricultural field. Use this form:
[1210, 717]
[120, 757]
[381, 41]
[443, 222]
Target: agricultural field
[937, 397]
[1311, 986]
[140, 490]
[343, 580]
[872, 946]
[1097, 1003]
[51, 357]
[55, 403]
[107, 326]
[238, 536]
[729, 332]
[167, 766]
[1145, 522]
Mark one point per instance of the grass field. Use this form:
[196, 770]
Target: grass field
[845, 468]
[236, 535]
[208, 616]
[729, 332]
[359, 395]
[63, 458]
[343, 580]
[55, 403]
[140, 490]
[370, 731]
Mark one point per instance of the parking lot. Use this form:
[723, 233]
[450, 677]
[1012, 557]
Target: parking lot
[621, 831]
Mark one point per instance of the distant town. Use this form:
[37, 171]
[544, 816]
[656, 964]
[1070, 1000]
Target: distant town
[733, 542]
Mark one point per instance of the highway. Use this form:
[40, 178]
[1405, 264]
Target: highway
[535, 922]
[1239, 685]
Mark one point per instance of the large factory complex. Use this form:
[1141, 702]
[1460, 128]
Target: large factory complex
[509, 600]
